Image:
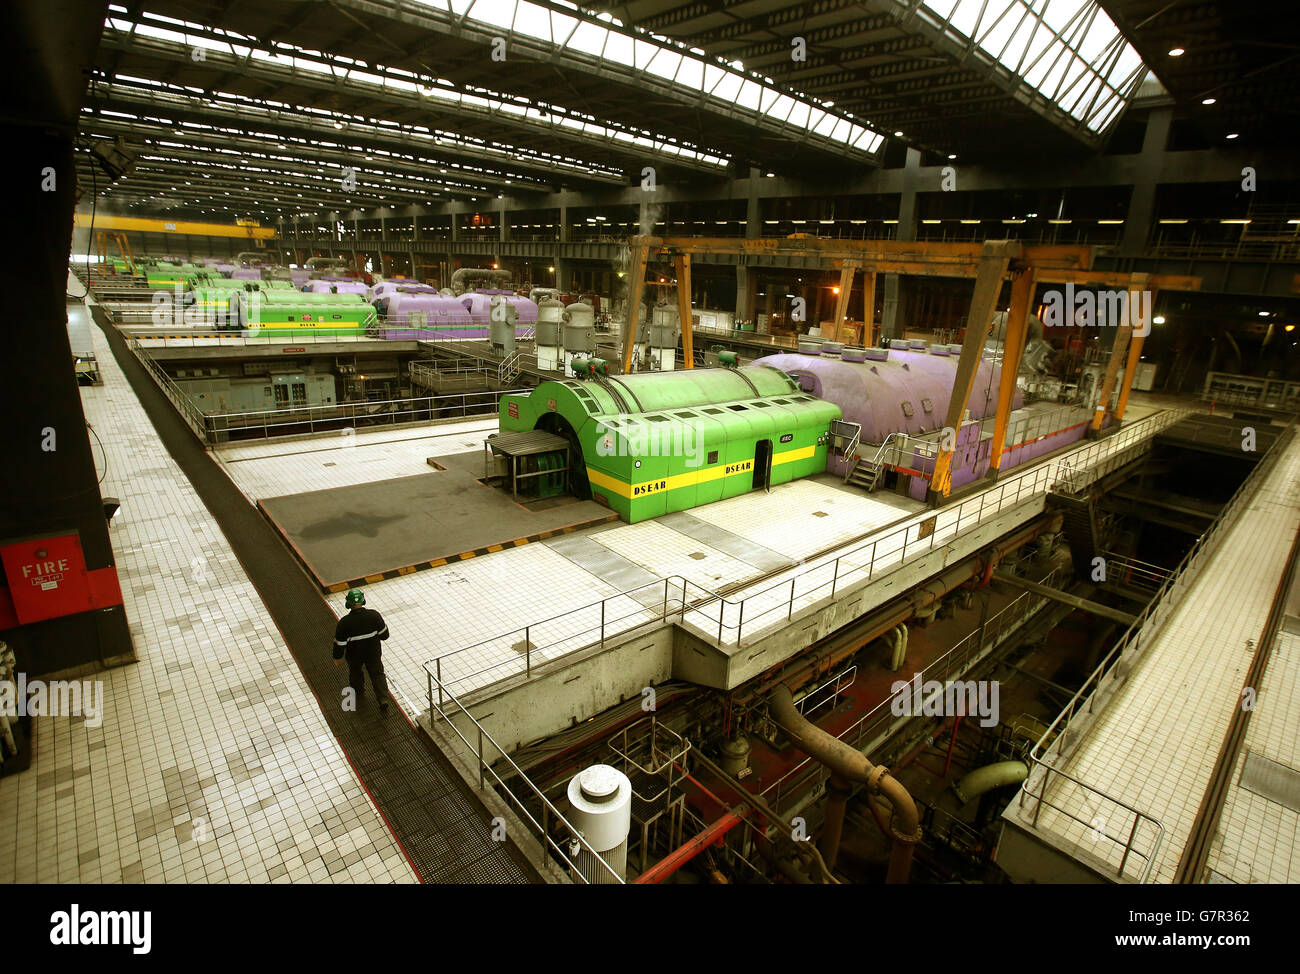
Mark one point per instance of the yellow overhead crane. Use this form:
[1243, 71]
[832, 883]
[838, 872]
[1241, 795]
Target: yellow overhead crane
[105, 221]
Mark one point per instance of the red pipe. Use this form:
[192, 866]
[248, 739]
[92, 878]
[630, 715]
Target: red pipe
[693, 846]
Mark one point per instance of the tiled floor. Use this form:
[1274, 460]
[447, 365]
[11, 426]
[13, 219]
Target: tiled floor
[1258, 838]
[1155, 744]
[478, 608]
[273, 469]
[213, 762]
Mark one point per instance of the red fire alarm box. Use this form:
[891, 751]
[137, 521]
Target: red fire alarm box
[46, 577]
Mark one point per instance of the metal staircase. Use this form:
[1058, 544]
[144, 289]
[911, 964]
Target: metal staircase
[509, 369]
[1081, 527]
[865, 474]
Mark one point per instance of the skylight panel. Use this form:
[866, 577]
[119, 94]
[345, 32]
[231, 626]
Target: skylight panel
[1068, 50]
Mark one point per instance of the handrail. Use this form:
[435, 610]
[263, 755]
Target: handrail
[193, 416]
[485, 766]
[726, 621]
[1060, 733]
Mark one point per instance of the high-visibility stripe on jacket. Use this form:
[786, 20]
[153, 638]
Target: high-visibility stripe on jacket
[361, 629]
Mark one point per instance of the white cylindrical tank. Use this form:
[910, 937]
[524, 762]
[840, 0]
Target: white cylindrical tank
[579, 333]
[601, 800]
[550, 320]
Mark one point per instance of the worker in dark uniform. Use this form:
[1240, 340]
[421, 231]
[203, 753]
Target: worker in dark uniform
[358, 636]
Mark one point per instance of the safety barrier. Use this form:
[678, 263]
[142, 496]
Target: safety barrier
[1059, 741]
[728, 621]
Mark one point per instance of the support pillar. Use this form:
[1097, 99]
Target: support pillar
[744, 294]
[1013, 349]
[994, 260]
[1139, 339]
[636, 290]
[50, 502]
[682, 267]
[1142, 201]
[868, 306]
[847, 270]
[1117, 354]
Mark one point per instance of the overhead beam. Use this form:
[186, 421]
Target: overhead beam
[920, 257]
[1086, 605]
[104, 221]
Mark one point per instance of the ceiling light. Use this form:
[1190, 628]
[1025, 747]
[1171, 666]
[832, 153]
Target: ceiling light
[1263, 314]
[1232, 135]
[1176, 52]
[1208, 101]
[898, 135]
[1159, 319]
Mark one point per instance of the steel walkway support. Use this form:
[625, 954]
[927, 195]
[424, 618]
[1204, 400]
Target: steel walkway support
[1096, 608]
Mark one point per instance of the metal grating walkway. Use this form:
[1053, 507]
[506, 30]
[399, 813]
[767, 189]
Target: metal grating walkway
[442, 826]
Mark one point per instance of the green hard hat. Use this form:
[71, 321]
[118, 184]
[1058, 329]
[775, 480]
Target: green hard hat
[356, 597]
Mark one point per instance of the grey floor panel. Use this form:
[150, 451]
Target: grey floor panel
[609, 566]
[720, 539]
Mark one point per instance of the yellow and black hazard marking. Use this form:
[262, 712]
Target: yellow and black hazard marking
[464, 555]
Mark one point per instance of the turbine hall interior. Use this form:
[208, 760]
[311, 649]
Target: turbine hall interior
[649, 459]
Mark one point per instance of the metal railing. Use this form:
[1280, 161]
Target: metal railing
[884, 719]
[217, 428]
[498, 658]
[1092, 462]
[486, 768]
[305, 420]
[446, 373]
[193, 416]
[1134, 572]
[727, 621]
[1070, 726]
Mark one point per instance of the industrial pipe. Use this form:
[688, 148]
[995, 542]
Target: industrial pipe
[458, 276]
[693, 846]
[837, 797]
[989, 777]
[852, 765]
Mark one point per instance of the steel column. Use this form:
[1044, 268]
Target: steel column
[847, 270]
[1117, 353]
[640, 255]
[1134, 351]
[1013, 348]
[682, 266]
[994, 260]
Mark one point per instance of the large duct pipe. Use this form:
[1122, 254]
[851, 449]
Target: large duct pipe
[987, 778]
[486, 273]
[852, 765]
